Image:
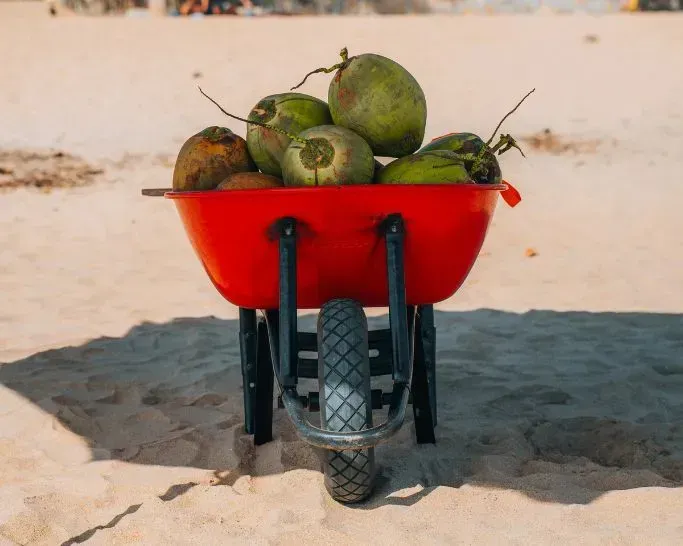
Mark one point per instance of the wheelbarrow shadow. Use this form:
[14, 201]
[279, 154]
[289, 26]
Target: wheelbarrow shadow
[522, 398]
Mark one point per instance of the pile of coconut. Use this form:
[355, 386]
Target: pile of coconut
[375, 108]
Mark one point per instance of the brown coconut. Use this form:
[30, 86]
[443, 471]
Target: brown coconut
[207, 158]
[250, 181]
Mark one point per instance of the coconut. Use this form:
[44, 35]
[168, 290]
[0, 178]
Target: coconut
[468, 146]
[456, 142]
[249, 181]
[329, 155]
[431, 167]
[479, 156]
[205, 159]
[322, 155]
[291, 112]
[378, 99]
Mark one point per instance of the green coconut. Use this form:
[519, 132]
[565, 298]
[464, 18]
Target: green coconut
[479, 157]
[380, 100]
[456, 142]
[327, 154]
[431, 167]
[331, 155]
[291, 112]
[469, 146]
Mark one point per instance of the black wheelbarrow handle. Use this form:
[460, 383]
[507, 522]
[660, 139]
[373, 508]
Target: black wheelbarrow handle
[340, 441]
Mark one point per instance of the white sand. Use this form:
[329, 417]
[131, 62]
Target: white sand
[560, 376]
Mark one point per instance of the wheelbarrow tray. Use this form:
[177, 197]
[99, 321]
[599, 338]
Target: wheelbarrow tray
[340, 249]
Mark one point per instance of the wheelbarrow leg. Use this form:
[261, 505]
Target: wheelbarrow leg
[423, 386]
[288, 358]
[428, 334]
[401, 316]
[263, 410]
[248, 354]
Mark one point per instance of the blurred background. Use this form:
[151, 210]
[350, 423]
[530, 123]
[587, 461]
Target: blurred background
[293, 7]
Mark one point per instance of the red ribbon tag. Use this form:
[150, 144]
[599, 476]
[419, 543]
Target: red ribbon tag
[510, 195]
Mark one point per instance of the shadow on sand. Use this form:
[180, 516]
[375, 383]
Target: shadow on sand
[596, 398]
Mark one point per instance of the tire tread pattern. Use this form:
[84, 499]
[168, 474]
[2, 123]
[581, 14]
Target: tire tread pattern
[345, 403]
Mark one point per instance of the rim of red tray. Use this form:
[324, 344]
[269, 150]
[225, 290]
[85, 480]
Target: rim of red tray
[346, 187]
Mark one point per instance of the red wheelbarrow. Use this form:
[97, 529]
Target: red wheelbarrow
[339, 249]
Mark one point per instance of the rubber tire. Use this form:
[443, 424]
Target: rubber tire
[345, 398]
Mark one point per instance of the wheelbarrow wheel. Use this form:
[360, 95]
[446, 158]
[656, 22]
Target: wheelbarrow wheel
[345, 396]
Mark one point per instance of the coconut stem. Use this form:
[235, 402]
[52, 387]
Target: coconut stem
[344, 53]
[505, 143]
[266, 126]
[507, 116]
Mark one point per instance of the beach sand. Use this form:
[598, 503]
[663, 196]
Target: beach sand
[560, 361]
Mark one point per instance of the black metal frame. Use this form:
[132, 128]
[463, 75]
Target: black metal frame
[406, 351]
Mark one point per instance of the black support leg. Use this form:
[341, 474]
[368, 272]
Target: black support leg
[423, 404]
[428, 334]
[248, 345]
[263, 411]
[398, 311]
[289, 354]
